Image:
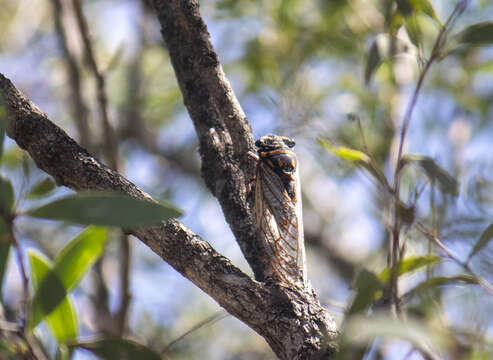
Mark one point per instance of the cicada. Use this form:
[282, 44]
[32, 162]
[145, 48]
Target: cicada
[278, 208]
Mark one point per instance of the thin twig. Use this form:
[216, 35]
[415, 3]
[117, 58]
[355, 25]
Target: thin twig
[451, 255]
[219, 315]
[9, 326]
[339, 306]
[121, 314]
[110, 143]
[111, 154]
[80, 109]
[25, 293]
[25, 278]
[435, 54]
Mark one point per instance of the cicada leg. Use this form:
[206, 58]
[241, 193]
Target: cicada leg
[251, 155]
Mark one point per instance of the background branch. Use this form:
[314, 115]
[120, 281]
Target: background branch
[80, 111]
[116, 323]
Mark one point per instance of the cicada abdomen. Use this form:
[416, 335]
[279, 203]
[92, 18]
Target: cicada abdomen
[278, 208]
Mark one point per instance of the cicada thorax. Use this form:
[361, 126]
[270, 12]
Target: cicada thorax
[278, 208]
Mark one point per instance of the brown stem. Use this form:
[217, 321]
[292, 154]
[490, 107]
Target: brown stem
[121, 314]
[208, 321]
[24, 277]
[80, 111]
[110, 142]
[23, 332]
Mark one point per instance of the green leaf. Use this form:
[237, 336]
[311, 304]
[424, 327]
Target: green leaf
[447, 184]
[73, 261]
[63, 352]
[413, 30]
[12, 158]
[409, 264]
[474, 35]
[118, 349]
[357, 157]
[483, 240]
[62, 320]
[406, 213]
[410, 7]
[361, 329]
[383, 48]
[3, 128]
[41, 188]
[477, 34]
[6, 196]
[4, 256]
[368, 287]
[107, 209]
[4, 229]
[440, 281]
[345, 153]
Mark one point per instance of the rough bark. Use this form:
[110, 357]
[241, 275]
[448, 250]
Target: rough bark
[290, 319]
[224, 133]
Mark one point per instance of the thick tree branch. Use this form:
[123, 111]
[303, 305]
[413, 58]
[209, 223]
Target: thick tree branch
[223, 130]
[291, 321]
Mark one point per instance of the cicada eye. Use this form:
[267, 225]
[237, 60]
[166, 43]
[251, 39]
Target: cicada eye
[287, 167]
[287, 163]
[289, 142]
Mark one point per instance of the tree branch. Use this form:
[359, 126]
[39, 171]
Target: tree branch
[291, 321]
[224, 133]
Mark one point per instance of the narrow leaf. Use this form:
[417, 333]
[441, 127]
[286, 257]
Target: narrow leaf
[117, 349]
[474, 35]
[6, 196]
[73, 261]
[477, 34]
[367, 286]
[41, 188]
[62, 320]
[3, 128]
[107, 209]
[447, 184]
[413, 30]
[483, 240]
[409, 264]
[410, 7]
[383, 48]
[4, 256]
[440, 281]
[357, 157]
[361, 329]
[4, 229]
[345, 153]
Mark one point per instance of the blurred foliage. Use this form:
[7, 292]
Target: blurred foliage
[335, 75]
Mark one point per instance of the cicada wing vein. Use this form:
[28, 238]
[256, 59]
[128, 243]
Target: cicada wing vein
[280, 225]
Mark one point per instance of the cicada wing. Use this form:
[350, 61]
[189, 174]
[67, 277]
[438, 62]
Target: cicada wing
[301, 236]
[280, 225]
